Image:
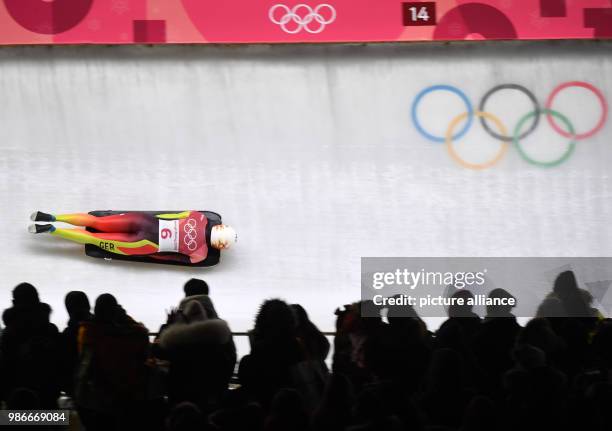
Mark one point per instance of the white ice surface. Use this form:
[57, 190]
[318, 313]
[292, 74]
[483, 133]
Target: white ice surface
[309, 152]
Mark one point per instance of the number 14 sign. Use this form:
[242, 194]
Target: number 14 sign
[419, 13]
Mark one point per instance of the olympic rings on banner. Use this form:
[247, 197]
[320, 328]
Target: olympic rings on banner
[302, 22]
[450, 88]
[520, 131]
[482, 115]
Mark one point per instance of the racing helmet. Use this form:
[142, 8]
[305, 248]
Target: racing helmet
[222, 236]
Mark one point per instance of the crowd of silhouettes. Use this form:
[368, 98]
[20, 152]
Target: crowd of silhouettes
[475, 373]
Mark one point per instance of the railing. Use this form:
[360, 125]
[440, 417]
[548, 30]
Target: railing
[246, 334]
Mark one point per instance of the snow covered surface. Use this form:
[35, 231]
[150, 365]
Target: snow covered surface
[308, 151]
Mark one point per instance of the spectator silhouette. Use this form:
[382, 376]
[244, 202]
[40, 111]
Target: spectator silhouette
[539, 333]
[185, 417]
[550, 307]
[602, 346]
[196, 286]
[552, 374]
[535, 391]
[499, 310]
[112, 377]
[287, 412]
[575, 327]
[30, 347]
[277, 356]
[398, 353]
[335, 410]
[447, 390]
[240, 417]
[315, 343]
[597, 415]
[459, 331]
[196, 289]
[371, 412]
[24, 399]
[202, 356]
[571, 297]
[353, 330]
[481, 415]
[462, 309]
[587, 297]
[494, 342]
[79, 310]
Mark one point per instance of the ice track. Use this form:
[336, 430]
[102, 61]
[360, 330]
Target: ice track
[309, 152]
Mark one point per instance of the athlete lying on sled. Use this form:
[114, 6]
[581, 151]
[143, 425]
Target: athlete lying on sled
[192, 238]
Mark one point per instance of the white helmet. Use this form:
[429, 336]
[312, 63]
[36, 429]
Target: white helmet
[222, 236]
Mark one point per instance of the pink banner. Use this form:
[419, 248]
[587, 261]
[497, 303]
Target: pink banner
[297, 21]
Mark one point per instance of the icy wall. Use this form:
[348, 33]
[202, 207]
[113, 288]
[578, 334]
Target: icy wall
[309, 152]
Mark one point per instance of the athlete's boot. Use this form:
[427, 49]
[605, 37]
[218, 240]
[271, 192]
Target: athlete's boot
[41, 228]
[40, 216]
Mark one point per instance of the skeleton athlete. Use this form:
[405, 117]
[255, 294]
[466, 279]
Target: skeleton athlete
[175, 236]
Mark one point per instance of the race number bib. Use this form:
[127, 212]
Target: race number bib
[169, 235]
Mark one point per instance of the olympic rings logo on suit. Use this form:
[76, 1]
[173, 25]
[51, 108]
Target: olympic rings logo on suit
[520, 131]
[302, 22]
[190, 234]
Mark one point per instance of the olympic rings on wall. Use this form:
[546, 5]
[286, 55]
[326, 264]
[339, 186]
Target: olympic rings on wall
[453, 90]
[525, 126]
[534, 114]
[302, 22]
[482, 115]
[602, 102]
[536, 107]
